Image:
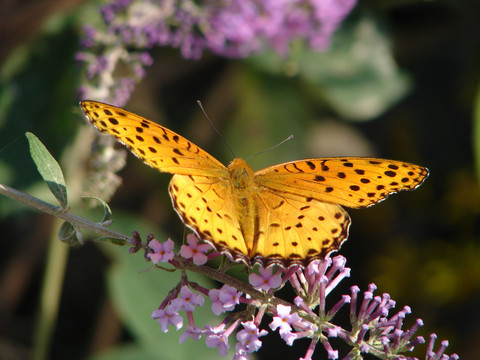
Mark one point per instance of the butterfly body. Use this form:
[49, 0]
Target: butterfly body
[287, 214]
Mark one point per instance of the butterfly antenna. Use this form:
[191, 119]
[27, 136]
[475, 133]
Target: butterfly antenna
[218, 132]
[273, 147]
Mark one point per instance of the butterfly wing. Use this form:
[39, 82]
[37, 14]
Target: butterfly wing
[207, 206]
[156, 145]
[354, 182]
[199, 192]
[297, 231]
[299, 212]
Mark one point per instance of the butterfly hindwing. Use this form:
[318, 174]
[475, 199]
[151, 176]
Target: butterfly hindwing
[207, 206]
[293, 231]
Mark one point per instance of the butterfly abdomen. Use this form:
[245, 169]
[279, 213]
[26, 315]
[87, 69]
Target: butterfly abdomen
[243, 185]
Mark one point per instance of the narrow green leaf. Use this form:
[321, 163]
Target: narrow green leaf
[107, 215]
[48, 168]
[113, 241]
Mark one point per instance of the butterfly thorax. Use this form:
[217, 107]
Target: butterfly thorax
[242, 180]
[241, 174]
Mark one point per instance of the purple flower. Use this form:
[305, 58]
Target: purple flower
[191, 332]
[241, 354]
[195, 250]
[187, 300]
[284, 319]
[162, 252]
[266, 280]
[217, 337]
[167, 316]
[248, 338]
[224, 299]
[331, 353]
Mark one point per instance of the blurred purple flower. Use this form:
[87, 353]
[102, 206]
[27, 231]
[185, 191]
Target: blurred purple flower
[230, 28]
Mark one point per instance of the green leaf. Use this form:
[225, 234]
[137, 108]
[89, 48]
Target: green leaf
[48, 168]
[69, 235]
[107, 215]
[113, 241]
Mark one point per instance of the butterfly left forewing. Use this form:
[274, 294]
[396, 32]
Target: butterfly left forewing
[354, 182]
[156, 145]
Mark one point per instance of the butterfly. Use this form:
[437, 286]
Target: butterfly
[287, 214]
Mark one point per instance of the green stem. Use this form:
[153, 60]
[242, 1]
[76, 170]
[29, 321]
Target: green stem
[50, 296]
[57, 211]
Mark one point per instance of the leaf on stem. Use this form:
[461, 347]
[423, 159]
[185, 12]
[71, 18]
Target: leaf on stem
[48, 168]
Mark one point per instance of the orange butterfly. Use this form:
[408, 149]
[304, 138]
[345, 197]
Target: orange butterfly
[286, 214]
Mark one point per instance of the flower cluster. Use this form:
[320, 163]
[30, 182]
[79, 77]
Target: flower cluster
[373, 329]
[229, 28]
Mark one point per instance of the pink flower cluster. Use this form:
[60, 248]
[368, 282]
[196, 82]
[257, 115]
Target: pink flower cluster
[373, 331]
[194, 251]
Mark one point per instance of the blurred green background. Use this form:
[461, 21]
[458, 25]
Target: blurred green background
[401, 81]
